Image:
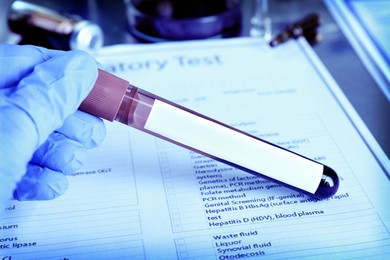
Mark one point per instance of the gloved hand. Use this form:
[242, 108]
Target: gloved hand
[42, 136]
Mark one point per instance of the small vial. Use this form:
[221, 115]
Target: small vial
[261, 25]
[45, 26]
[113, 98]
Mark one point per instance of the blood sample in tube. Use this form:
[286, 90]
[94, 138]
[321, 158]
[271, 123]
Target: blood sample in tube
[113, 98]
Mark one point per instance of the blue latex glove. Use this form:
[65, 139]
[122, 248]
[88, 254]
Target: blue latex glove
[42, 134]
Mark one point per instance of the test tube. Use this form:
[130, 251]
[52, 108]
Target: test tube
[113, 98]
[261, 25]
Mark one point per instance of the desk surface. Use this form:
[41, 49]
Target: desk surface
[335, 51]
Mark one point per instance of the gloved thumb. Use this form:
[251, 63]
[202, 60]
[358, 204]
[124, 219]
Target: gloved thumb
[38, 106]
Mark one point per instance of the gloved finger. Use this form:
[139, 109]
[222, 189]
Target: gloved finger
[27, 58]
[39, 105]
[55, 89]
[40, 184]
[60, 154]
[84, 128]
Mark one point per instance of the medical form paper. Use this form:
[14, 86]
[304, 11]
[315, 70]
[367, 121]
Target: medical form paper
[139, 197]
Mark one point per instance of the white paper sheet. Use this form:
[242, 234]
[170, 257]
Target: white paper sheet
[143, 198]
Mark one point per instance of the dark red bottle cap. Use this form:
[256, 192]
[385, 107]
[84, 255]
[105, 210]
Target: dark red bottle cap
[106, 96]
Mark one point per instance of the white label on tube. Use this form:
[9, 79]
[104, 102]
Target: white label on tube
[229, 145]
